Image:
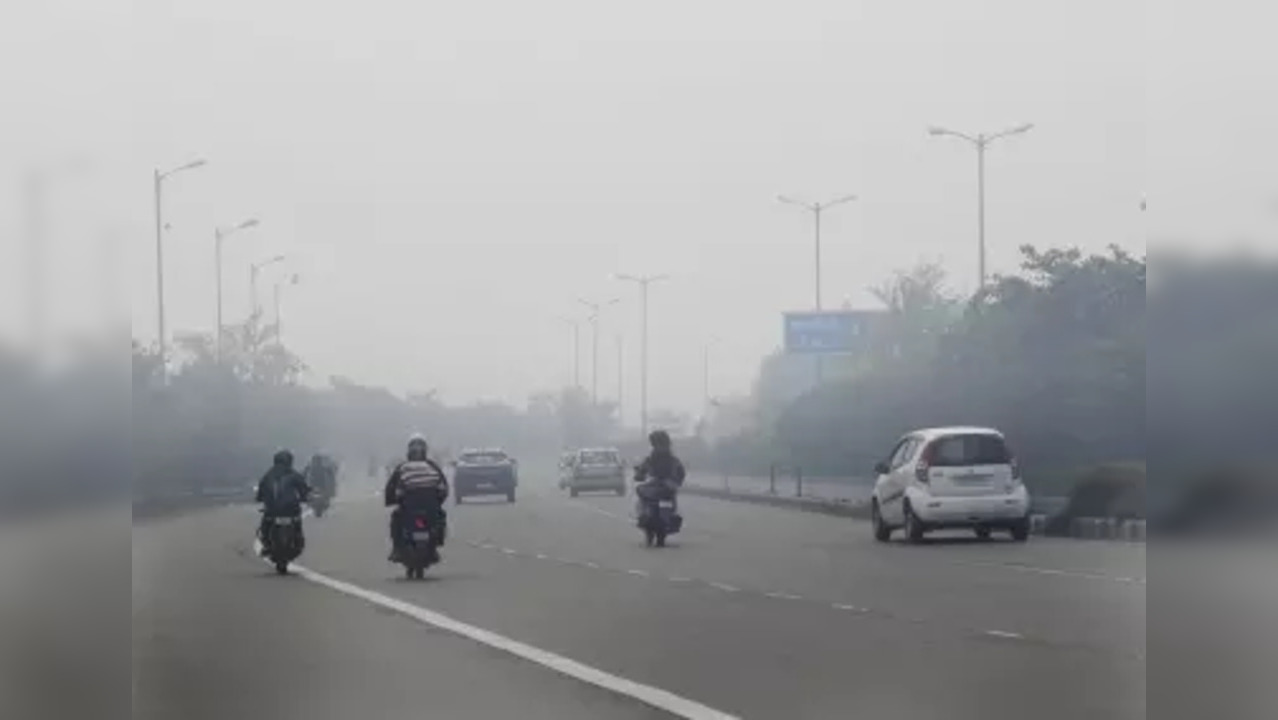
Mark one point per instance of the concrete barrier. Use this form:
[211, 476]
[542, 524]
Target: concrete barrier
[825, 507]
[1038, 524]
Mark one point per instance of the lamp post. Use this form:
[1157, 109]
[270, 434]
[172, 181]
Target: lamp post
[279, 320]
[643, 281]
[980, 143]
[158, 177]
[595, 309]
[817, 210]
[219, 235]
[255, 269]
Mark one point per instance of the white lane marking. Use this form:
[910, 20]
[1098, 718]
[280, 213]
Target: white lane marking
[540, 556]
[849, 608]
[591, 565]
[1005, 634]
[638, 573]
[507, 551]
[652, 696]
[782, 596]
[598, 510]
[1060, 573]
[724, 587]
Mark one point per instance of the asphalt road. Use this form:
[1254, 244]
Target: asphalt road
[553, 608]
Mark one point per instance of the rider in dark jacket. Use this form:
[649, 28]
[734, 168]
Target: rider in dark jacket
[417, 484]
[661, 474]
[281, 491]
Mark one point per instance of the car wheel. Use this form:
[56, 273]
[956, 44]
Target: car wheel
[1021, 531]
[914, 529]
[982, 533]
[882, 532]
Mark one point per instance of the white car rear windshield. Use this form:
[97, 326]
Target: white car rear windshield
[599, 457]
[963, 450]
[487, 458]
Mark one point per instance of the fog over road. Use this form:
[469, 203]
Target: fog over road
[753, 612]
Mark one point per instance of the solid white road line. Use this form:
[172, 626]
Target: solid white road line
[652, 696]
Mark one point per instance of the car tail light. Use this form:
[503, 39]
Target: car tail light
[924, 464]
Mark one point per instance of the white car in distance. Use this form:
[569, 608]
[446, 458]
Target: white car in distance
[950, 477]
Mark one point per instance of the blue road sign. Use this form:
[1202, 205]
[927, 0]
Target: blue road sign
[830, 332]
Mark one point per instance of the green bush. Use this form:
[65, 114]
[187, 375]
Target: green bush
[1116, 490]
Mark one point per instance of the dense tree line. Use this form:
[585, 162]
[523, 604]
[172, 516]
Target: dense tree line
[1054, 355]
[214, 423]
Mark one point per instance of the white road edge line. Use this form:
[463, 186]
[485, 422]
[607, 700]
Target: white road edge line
[782, 596]
[1005, 635]
[652, 696]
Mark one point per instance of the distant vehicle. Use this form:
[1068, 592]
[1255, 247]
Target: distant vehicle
[484, 472]
[595, 469]
[950, 477]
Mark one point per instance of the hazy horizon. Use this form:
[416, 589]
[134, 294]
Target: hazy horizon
[447, 182]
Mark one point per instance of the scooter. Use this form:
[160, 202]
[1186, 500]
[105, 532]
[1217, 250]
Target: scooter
[659, 518]
[284, 542]
[419, 545]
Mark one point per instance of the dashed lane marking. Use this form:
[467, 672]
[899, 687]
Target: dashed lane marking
[1005, 634]
[724, 587]
[652, 696]
[638, 573]
[782, 596]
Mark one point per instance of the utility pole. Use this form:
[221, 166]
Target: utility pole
[980, 142]
[643, 281]
[158, 177]
[621, 415]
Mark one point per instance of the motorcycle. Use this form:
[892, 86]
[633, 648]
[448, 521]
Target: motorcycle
[319, 504]
[659, 518]
[285, 541]
[419, 545]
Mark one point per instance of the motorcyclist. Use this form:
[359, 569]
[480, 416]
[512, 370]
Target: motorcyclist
[281, 492]
[418, 484]
[321, 473]
[660, 475]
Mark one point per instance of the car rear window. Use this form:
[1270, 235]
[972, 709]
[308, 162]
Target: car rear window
[598, 457]
[484, 458]
[974, 449]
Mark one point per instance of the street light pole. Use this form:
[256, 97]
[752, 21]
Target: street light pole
[158, 177]
[817, 210]
[643, 281]
[219, 235]
[254, 270]
[595, 309]
[279, 320]
[981, 142]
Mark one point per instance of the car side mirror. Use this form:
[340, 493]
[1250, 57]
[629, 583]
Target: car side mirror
[881, 468]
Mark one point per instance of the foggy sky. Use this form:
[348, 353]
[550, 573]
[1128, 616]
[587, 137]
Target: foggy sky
[448, 178]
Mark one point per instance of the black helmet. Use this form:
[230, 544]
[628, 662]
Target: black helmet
[284, 459]
[660, 439]
[417, 447]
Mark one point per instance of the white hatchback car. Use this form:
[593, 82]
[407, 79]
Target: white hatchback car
[950, 477]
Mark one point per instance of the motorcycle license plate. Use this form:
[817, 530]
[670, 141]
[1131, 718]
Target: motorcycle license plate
[283, 521]
[421, 537]
[666, 505]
